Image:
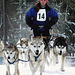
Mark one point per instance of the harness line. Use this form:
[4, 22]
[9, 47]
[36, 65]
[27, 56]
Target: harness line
[24, 60]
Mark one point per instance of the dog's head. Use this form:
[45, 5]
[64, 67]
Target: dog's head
[10, 51]
[36, 46]
[61, 49]
[23, 42]
[24, 45]
[61, 45]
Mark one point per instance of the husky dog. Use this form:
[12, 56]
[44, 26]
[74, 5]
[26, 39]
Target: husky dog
[36, 53]
[11, 56]
[1, 46]
[22, 46]
[60, 48]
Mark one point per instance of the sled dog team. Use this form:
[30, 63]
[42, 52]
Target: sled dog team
[33, 52]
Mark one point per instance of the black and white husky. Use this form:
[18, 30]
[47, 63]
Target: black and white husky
[11, 56]
[36, 53]
[60, 48]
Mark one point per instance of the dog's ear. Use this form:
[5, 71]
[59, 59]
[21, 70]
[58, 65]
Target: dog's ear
[26, 42]
[6, 45]
[20, 40]
[15, 47]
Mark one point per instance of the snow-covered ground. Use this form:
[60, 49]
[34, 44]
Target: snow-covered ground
[49, 70]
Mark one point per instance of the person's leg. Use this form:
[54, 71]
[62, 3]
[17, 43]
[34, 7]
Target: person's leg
[36, 33]
[45, 33]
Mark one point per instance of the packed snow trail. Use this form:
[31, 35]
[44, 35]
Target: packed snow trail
[49, 70]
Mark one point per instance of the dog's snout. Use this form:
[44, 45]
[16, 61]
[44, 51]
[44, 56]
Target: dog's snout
[23, 51]
[37, 52]
[60, 53]
[8, 57]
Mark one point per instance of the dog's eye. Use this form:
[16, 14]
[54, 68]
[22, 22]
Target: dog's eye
[31, 43]
[41, 43]
[62, 46]
[59, 46]
[38, 46]
[10, 53]
[7, 53]
[34, 46]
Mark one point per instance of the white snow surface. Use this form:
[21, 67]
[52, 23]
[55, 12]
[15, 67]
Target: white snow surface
[49, 70]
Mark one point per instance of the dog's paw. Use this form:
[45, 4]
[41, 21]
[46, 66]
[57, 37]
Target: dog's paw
[56, 62]
[62, 70]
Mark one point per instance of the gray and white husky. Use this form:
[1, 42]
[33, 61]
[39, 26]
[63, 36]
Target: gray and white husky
[11, 56]
[36, 53]
[22, 46]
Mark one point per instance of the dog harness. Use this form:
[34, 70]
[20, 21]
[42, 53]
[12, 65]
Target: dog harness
[24, 60]
[51, 47]
[12, 62]
[36, 57]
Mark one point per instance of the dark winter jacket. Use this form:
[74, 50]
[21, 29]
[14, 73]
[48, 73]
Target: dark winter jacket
[43, 25]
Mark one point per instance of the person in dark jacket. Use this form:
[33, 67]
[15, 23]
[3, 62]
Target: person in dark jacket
[41, 18]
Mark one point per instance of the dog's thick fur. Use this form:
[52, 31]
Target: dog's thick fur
[22, 46]
[36, 53]
[11, 56]
[60, 48]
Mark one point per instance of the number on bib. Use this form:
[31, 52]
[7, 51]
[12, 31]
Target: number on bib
[41, 15]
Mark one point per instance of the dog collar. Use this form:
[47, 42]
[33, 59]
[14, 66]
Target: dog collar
[11, 62]
[24, 60]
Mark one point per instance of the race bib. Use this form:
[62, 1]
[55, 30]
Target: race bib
[41, 15]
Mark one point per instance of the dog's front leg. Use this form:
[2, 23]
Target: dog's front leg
[46, 57]
[42, 64]
[8, 69]
[16, 69]
[33, 67]
[63, 61]
[56, 57]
